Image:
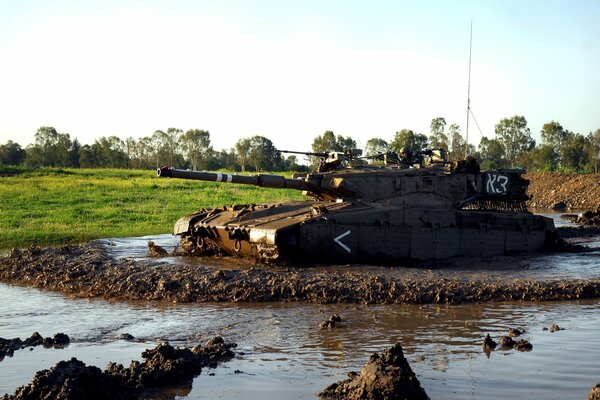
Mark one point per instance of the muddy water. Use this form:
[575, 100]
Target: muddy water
[286, 355]
[282, 353]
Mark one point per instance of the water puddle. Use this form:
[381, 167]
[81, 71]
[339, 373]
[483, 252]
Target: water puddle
[284, 353]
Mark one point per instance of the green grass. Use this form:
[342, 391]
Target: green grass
[56, 206]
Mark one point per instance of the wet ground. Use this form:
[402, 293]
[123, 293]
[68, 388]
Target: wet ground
[283, 352]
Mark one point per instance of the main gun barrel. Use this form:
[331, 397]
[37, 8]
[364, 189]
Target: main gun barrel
[262, 180]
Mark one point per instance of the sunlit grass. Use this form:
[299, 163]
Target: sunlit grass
[56, 206]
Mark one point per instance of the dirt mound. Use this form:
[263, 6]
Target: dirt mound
[385, 377]
[88, 271]
[574, 191]
[163, 366]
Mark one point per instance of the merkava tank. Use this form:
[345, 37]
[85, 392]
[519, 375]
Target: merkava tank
[371, 213]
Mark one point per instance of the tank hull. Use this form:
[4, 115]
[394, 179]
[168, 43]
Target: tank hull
[355, 232]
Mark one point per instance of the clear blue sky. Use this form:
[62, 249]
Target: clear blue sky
[289, 70]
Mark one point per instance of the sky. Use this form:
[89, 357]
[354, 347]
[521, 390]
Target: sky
[290, 70]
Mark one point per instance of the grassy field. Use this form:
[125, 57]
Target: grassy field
[56, 206]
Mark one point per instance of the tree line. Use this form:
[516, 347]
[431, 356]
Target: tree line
[512, 146]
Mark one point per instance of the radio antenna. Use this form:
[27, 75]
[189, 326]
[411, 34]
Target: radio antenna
[469, 91]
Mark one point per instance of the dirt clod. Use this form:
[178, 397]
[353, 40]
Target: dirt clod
[488, 343]
[387, 376]
[594, 394]
[523, 345]
[162, 366]
[9, 346]
[513, 332]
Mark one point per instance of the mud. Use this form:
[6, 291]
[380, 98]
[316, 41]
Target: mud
[594, 393]
[9, 346]
[89, 271]
[388, 377]
[163, 366]
[489, 344]
[586, 218]
[574, 191]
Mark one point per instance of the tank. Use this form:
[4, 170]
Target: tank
[377, 213]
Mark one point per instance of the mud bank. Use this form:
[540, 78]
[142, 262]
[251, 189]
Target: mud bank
[574, 191]
[163, 366]
[88, 271]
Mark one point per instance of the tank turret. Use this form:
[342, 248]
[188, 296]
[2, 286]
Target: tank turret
[373, 213]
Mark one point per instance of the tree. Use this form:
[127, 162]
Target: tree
[325, 143]
[166, 147]
[110, 152]
[438, 138]
[290, 163]
[491, 152]
[89, 157]
[141, 153]
[376, 146]
[263, 155]
[543, 157]
[515, 137]
[242, 151]
[457, 143]
[11, 153]
[416, 142]
[51, 149]
[553, 134]
[345, 143]
[328, 142]
[222, 159]
[195, 144]
[74, 154]
[594, 150]
[573, 155]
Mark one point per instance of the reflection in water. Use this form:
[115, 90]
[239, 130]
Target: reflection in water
[284, 354]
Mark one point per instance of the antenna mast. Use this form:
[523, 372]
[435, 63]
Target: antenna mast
[469, 91]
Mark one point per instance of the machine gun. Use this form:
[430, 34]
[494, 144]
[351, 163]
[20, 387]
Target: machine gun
[332, 160]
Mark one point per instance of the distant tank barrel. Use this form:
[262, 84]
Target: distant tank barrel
[262, 180]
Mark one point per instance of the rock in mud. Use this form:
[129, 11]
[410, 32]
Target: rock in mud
[507, 342]
[587, 218]
[155, 250]
[523, 345]
[388, 377]
[515, 332]
[331, 322]
[594, 393]
[488, 343]
[162, 366]
[126, 337]
[8, 346]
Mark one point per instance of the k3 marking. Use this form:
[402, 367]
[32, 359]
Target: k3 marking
[496, 183]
